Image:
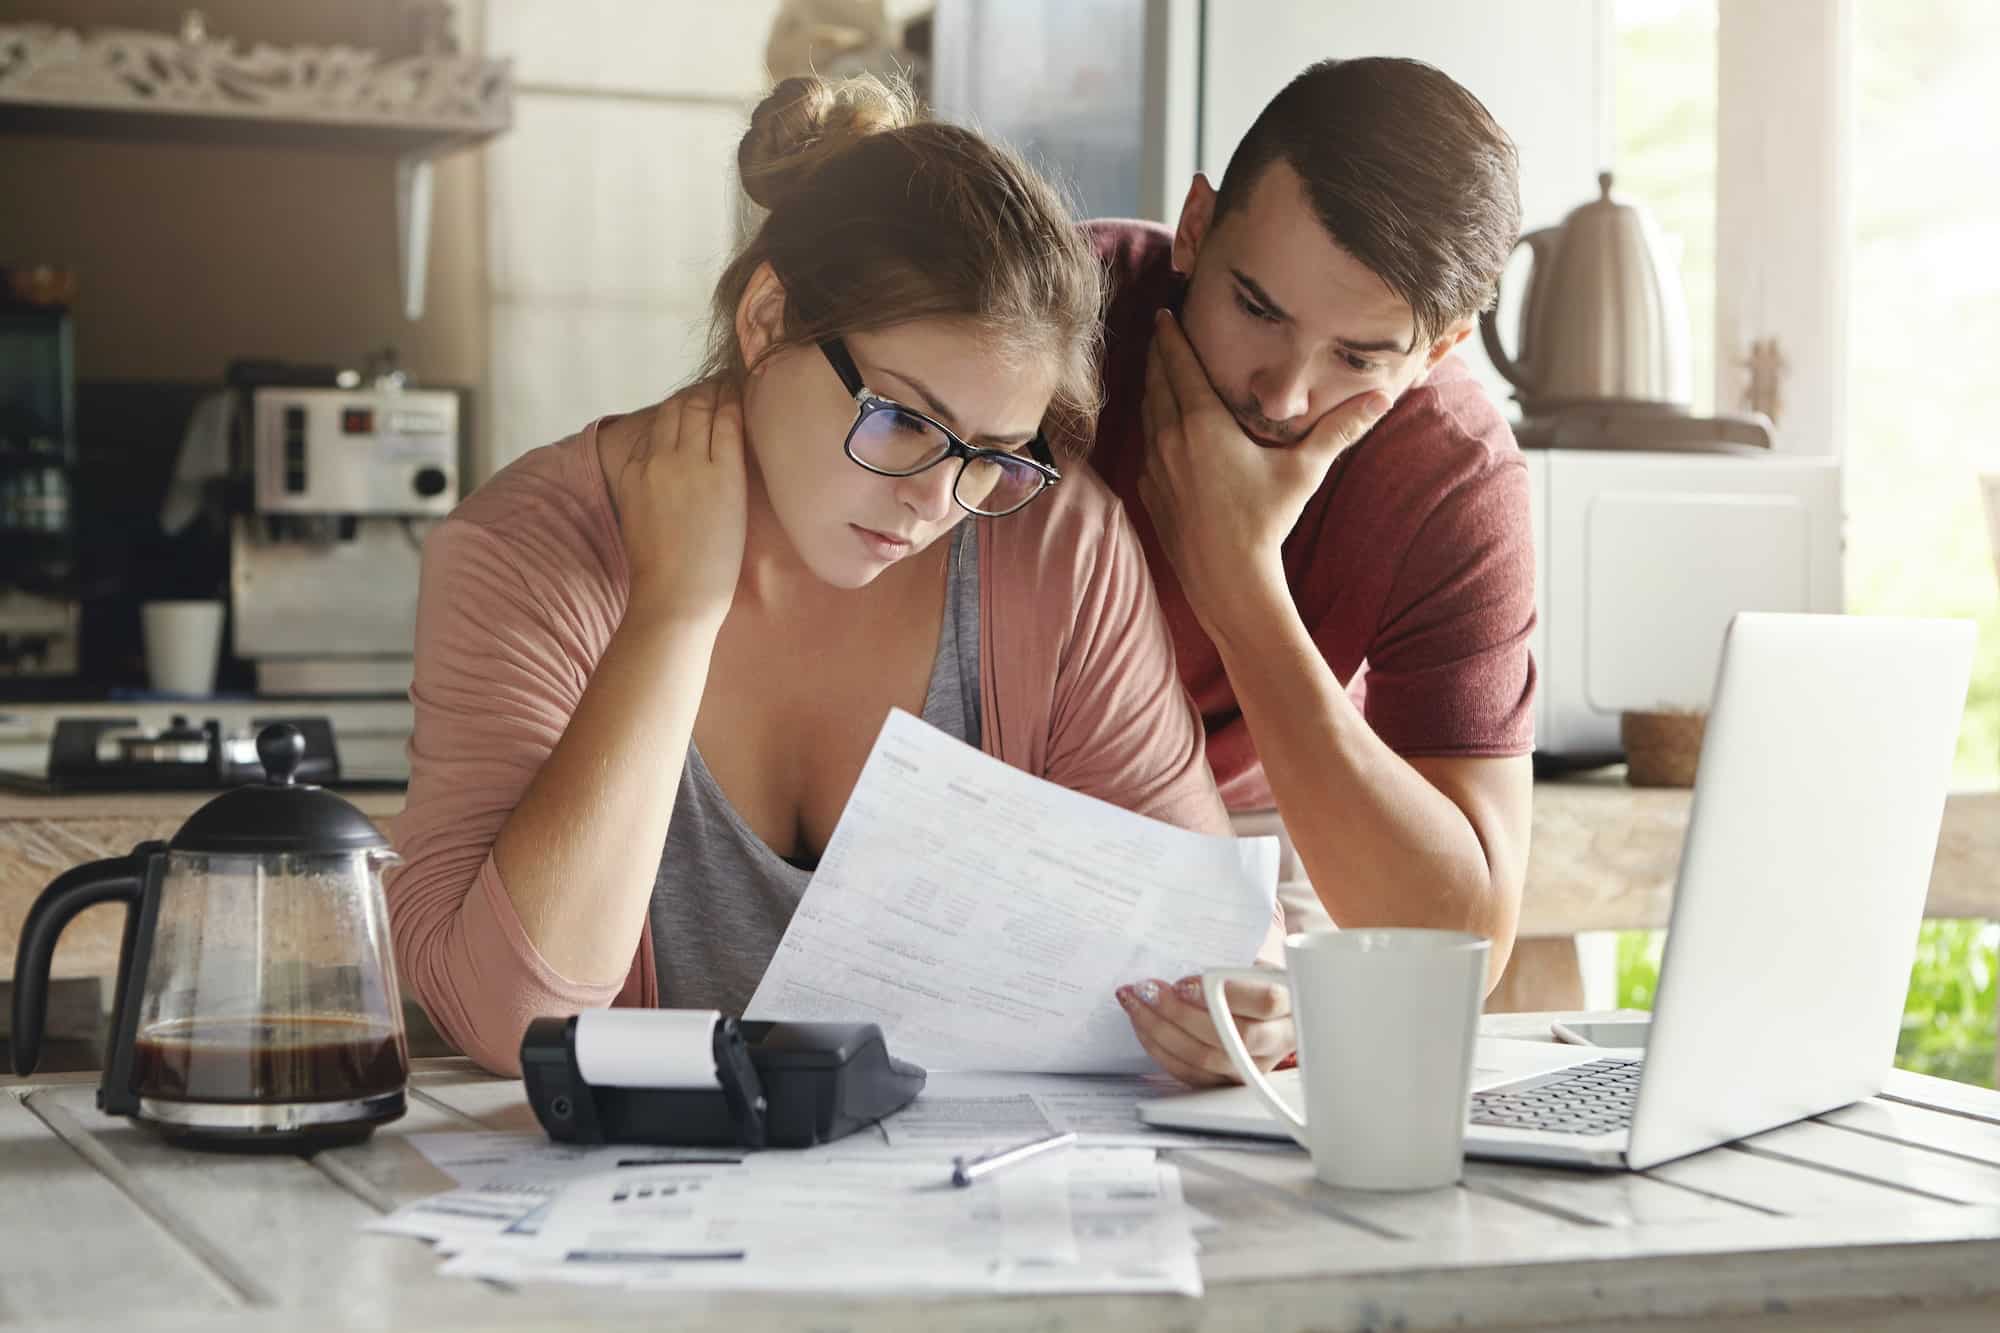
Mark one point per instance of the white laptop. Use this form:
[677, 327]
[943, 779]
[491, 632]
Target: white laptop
[1802, 881]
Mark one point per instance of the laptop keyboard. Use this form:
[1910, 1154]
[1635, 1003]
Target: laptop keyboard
[1596, 1098]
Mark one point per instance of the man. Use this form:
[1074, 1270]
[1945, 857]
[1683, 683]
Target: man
[1334, 511]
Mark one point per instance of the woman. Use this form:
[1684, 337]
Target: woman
[684, 626]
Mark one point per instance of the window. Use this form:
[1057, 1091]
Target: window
[1925, 329]
[1910, 416]
[1663, 115]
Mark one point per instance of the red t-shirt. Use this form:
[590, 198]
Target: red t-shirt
[1415, 557]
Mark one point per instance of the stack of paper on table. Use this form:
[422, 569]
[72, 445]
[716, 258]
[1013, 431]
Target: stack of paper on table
[870, 1218]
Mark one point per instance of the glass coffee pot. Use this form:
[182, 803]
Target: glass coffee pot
[256, 1001]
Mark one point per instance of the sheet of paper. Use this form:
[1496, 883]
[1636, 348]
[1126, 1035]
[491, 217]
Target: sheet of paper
[487, 1158]
[1082, 1220]
[1134, 1232]
[507, 1180]
[458, 1218]
[985, 918]
[964, 1111]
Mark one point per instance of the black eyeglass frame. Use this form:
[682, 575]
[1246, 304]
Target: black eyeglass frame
[867, 403]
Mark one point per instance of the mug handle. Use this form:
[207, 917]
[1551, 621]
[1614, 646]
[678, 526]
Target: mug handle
[1232, 1040]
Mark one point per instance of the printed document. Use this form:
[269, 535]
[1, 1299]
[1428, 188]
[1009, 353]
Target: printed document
[972, 1112]
[985, 917]
[1081, 1220]
[505, 1182]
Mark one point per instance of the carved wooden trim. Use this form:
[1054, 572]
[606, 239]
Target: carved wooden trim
[126, 69]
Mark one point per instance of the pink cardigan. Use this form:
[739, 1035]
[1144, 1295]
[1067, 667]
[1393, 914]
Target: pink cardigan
[522, 588]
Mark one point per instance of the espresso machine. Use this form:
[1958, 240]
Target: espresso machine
[326, 549]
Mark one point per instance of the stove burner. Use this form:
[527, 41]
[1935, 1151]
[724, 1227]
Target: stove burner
[117, 754]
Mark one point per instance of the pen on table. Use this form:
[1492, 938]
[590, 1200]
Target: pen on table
[965, 1170]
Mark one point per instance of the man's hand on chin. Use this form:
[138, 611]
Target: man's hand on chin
[1222, 503]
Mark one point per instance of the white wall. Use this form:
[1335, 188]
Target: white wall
[611, 203]
[1542, 69]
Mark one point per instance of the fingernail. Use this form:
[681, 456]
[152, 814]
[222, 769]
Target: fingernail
[1149, 992]
[1190, 991]
[1125, 996]
[1378, 403]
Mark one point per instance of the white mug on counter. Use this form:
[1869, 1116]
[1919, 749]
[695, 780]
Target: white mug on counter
[183, 646]
[1387, 1024]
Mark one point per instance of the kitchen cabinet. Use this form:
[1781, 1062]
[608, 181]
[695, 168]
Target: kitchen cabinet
[145, 86]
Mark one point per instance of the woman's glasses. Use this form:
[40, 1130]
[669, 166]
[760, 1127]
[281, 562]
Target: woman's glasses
[896, 441]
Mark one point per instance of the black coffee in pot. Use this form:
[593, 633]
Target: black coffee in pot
[269, 1059]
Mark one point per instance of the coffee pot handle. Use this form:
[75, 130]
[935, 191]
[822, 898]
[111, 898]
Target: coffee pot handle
[120, 879]
[1519, 369]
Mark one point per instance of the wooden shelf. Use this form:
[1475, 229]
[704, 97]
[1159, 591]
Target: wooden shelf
[202, 125]
[1604, 857]
[154, 87]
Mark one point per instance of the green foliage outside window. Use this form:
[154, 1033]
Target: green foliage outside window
[1948, 1020]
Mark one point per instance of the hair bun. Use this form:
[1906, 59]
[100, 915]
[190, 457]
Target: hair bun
[804, 121]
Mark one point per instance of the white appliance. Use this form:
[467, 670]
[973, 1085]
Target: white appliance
[1640, 561]
[323, 570]
[355, 451]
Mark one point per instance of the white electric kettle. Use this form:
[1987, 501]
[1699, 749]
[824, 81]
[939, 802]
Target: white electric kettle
[1602, 350]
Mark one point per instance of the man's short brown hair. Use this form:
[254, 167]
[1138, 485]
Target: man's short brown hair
[1406, 169]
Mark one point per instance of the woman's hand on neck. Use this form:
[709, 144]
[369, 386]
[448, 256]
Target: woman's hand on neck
[771, 577]
[680, 491]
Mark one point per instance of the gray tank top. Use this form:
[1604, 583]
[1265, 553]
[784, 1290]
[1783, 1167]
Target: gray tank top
[722, 898]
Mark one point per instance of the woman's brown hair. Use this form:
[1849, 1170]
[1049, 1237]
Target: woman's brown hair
[877, 215]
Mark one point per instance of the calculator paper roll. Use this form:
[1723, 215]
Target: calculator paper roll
[647, 1048]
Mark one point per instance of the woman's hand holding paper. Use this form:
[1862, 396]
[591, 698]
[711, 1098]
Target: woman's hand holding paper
[1171, 1021]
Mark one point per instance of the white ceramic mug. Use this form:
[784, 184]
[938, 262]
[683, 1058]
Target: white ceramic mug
[183, 646]
[1387, 1023]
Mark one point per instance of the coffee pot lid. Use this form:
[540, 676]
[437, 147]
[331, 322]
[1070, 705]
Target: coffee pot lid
[279, 814]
